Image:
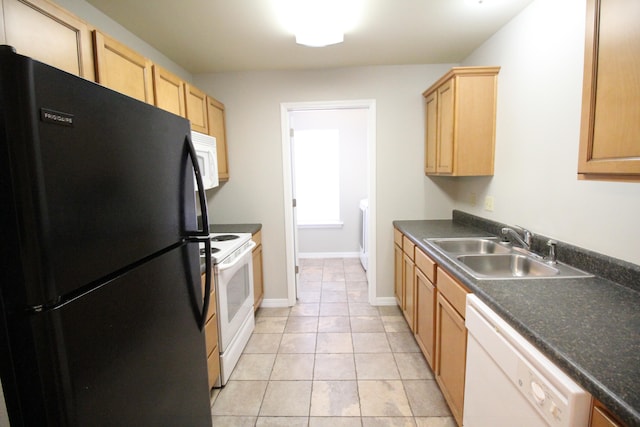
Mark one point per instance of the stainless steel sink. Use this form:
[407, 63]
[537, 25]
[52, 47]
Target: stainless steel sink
[486, 258]
[484, 245]
[509, 265]
[516, 266]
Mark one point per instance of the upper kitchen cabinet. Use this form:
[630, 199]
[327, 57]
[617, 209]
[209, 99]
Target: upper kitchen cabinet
[460, 112]
[121, 69]
[610, 128]
[215, 113]
[196, 102]
[49, 34]
[168, 91]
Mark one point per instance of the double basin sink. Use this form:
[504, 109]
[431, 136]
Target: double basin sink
[488, 258]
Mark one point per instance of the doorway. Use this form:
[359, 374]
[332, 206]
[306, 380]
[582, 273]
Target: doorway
[288, 112]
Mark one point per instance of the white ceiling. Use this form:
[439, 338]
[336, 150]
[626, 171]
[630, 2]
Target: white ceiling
[206, 36]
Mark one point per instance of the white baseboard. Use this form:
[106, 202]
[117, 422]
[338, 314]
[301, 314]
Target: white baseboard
[328, 255]
[274, 302]
[385, 301]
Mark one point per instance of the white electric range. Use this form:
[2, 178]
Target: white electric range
[233, 277]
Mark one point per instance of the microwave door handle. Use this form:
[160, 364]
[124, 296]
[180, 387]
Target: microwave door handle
[202, 233]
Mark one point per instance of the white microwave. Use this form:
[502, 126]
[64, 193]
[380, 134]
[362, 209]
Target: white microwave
[207, 155]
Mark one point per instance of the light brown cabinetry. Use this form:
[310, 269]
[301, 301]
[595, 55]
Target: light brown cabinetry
[601, 417]
[168, 91]
[211, 337]
[451, 342]
[258, 278]
[460, 120]
[217, 128]
[398, 288]
[49, 34]
[122, 69]
[408, 280]
[196, 101]
[425, 270]
[610, 129]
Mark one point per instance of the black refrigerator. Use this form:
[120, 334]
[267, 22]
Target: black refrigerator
[101, 306]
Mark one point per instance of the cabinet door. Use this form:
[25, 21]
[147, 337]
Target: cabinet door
[196, 101]
[258, 286]
[425, 316]
[610, 129]
[446, 121]
[431, 133]
[215, 113]
[168, 90]
[408, 280]
[451, 351]
[49, 34]
[122, 69]
[397, 281]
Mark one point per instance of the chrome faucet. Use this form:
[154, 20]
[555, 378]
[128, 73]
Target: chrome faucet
[509, 233]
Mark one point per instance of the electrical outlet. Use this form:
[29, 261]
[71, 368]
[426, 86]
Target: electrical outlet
[488, 203]
[473, 199]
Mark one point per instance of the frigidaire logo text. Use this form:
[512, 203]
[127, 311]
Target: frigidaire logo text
[56, 117]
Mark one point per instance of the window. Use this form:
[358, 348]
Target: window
[317, 177]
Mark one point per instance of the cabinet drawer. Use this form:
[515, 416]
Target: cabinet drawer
[454, 292]
[257, 238]
[397, 237]
[408, 247]
[212, 302]
[213, 367]
[426, 265]
[211, 334]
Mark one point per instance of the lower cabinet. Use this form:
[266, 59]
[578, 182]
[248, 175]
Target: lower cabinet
[397, 267]
[258, 278]
[408, 282]
[211, 338]
[601, 417]
[425, 320]
[451, 342]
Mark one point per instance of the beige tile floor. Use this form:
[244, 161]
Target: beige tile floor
[331, 360]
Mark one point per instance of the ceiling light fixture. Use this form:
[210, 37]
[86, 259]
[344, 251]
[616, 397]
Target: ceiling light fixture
[319, 23]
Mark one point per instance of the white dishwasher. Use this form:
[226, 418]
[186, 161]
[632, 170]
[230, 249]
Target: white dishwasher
[509, 383]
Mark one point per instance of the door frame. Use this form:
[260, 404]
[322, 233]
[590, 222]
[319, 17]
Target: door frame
[290, 232]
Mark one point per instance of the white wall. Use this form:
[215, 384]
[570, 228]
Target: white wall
[538, 128]
[352, 127]
[102, 22]
[255, 190]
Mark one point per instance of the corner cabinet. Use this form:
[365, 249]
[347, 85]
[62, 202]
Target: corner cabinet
[217, 129]
[50, 34]
[460, 120]
[610, 129]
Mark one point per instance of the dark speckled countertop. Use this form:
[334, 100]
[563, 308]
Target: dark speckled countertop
[235, 228]
[590, 327]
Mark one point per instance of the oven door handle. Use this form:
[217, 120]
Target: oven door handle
[238, 259]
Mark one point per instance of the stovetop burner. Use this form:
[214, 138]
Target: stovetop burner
[213, 251]
[224, 237]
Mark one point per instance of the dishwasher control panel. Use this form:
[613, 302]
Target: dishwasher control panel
[545, 398]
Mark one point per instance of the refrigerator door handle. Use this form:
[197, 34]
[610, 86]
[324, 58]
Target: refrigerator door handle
[202, 233]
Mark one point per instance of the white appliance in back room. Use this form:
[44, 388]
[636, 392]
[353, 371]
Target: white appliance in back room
[364, 233]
